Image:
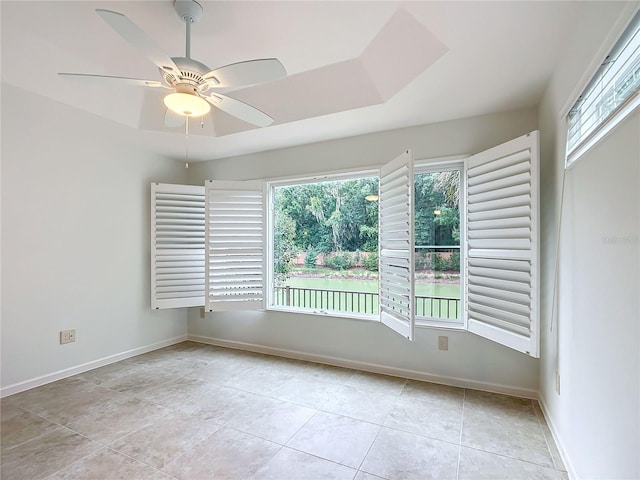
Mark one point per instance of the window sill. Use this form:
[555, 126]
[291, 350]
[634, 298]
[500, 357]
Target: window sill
[440, 325]
[420, 322]
[326, 313]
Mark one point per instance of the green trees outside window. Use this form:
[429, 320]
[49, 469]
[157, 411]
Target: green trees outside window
[326, 235]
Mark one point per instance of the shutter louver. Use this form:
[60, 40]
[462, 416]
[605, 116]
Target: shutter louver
[177, 246]
[396, 245]
[502, 246]
[235, 245]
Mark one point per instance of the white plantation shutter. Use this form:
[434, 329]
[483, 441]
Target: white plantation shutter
[177, 246]
[396, 245]
[502, 244]
[235, 234]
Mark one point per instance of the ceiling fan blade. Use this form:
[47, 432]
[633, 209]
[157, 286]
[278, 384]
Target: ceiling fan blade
[246, 73]
[173, 119]
[239, 109]
[136, 37]
[124, 80]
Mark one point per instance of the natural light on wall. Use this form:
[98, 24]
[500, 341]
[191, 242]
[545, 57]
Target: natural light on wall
[611, 95]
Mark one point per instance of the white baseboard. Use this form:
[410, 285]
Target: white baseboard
[101, 362]
[368, 367]
[571, 472]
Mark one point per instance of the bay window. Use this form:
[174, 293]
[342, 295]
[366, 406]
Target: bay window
[453, 244]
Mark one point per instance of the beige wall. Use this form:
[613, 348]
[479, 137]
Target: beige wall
[75, 240]
[592, 336]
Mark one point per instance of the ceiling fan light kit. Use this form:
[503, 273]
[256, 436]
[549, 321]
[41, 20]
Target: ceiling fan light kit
[195, 86]
[187, 104]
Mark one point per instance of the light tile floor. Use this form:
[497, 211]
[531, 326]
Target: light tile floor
[195, 411]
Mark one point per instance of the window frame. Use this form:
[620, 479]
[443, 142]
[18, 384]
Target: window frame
[271, 185]
[423, 165]
[441, 165]
[574, 151]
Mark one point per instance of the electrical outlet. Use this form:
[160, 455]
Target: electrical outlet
[202, 314]
[443, 343]
[558, 382]
[67, 336]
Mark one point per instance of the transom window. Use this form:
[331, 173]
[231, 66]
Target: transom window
[611, 95]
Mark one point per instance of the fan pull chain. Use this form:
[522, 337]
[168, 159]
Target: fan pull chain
[186, 134]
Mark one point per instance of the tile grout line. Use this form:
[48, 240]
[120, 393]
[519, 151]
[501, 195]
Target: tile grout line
[321, 458]
[464, 400]
[301, 427]
[108, 447]
[58, 426]
[102, 447]
[145, 426]
[34, 438]
[539, 465]
[537, 423]
[369, 450]
[380, 427]
[263, 395]
[421, 435]
[544, 435]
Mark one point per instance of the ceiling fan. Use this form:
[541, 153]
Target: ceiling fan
[195, 87]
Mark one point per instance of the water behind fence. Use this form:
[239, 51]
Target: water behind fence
[359, 302]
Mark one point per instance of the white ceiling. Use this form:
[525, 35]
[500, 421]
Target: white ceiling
[423, 62]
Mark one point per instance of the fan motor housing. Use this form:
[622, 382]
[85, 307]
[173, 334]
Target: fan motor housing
[191, 72]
